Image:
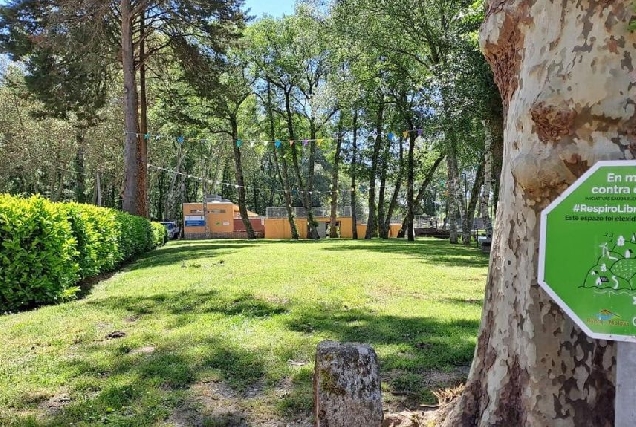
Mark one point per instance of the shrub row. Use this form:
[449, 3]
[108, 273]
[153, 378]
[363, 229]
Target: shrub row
[46, 247]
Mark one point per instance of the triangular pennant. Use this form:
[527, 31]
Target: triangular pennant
[239, 143]
[277, 143]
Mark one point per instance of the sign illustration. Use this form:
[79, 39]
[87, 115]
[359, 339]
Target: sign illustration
[587, 255]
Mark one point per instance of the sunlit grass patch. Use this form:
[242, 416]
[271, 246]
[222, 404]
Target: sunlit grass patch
[209, 331]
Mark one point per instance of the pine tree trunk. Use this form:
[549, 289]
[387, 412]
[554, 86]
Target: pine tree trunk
[98, 189]
[565, 73]
[142, 181]
[80, 169]
[131, 202]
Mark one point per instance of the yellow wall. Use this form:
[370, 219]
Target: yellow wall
[393, 229]
[220, 217]
[193, 209]
[278, 228]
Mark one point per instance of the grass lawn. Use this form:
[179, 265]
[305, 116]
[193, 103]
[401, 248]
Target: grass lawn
[223, 333]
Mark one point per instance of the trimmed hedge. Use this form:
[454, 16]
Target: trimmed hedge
[46, 247]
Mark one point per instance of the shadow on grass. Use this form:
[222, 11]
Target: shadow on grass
[116, 383]
[433, 251]
[410, 348]
[192, 304]
[182, 251]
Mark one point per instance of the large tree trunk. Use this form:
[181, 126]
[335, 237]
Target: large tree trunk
[133, 198]
[142, 181]
[566, 77]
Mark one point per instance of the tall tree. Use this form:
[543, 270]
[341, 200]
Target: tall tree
[126, 26]
[567, 105]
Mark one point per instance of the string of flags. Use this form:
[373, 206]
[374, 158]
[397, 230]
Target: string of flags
[278, 143]
[362, 188]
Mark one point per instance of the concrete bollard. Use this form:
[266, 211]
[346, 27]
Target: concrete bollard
[347, 389]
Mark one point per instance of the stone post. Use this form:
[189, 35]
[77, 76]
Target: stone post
[347, 386]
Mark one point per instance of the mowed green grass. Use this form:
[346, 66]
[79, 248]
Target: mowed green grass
[199, 322]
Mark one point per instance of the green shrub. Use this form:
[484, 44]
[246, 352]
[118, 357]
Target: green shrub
[159, 234]
[96, 233]
[37, 254]
[46, 248]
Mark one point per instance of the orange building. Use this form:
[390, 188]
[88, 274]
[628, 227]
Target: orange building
[220, 218]
[217, 218]
[277, 225]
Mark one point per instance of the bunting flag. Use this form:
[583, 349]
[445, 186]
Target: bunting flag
[181, 139]
[294, 190]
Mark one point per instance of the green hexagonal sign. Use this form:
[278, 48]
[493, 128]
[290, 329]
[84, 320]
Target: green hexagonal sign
[587, 259]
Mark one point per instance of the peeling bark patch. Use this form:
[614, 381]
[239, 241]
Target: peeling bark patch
[494, 6]
[552, 123]
[576, 165]
[510, 410]
[504, 58]
[583, 410]
[612, 45]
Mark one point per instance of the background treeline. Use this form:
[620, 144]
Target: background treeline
[387, 107]
[47, 247]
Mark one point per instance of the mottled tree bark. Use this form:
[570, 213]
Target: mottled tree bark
[565, 73]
